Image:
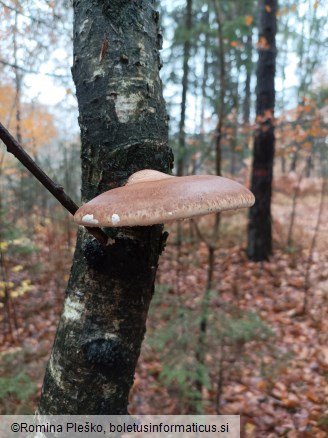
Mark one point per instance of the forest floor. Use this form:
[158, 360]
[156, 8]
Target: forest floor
[266, 358]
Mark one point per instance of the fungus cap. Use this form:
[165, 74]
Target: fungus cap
[151, 197]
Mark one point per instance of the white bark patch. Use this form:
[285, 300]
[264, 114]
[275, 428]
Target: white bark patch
[118, 69]
[56, 373]
[72, 309]
[126, 106]
[115, 218]
[142, 53]
[98, 72]
[83, 25]
[89, 219]
[110, 336]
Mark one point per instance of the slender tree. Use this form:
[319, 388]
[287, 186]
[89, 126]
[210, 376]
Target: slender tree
[123, 129]
[205, 74]
[219, 126]
[310, 45]
[185, 83]
[259, 228]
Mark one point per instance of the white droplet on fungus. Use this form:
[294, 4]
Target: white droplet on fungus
[89, 218]
[115, 218]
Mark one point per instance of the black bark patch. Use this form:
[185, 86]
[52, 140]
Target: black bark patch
[125, 255]
[109, 353]
[95, 255]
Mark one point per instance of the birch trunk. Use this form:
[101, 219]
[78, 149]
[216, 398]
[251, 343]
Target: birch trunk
[123, 129]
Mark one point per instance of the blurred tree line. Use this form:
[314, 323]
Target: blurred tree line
[235, 69]
[191, 38]
[35, 41]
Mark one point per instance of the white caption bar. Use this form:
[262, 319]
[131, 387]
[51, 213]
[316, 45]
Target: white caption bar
[139, 426]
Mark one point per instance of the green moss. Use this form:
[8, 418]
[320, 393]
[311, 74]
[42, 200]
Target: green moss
[19, 387]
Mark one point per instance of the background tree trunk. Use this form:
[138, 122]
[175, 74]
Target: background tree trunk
[181, 162]
[259, 228]
[123, 129]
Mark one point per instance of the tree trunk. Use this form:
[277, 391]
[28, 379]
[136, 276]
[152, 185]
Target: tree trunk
[185, 83]
[259, 228]
[206, 23]
[248, 65]
[123, 129]
[219, 125]
[18, 84]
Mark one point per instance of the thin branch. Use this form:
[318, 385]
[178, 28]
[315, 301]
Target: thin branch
[36, 20]
[313, 242]
[56, 190]
[295, 197]
[31, 72]
[200, 235]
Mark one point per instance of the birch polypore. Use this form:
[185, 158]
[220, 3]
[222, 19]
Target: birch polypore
[150, 197]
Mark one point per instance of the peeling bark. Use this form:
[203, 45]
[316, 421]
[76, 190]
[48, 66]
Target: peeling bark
[123, 129]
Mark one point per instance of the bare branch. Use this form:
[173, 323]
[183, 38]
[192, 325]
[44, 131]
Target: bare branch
[31, 72]
[36, 20]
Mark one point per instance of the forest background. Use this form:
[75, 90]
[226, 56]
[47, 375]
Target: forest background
[264, 353]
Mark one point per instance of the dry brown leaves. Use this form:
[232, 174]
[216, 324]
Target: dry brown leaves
[290, 397]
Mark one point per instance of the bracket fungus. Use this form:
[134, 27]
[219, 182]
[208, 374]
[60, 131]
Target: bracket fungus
[151, 197]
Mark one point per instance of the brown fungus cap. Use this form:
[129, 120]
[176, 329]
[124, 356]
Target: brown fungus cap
[151, 197]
